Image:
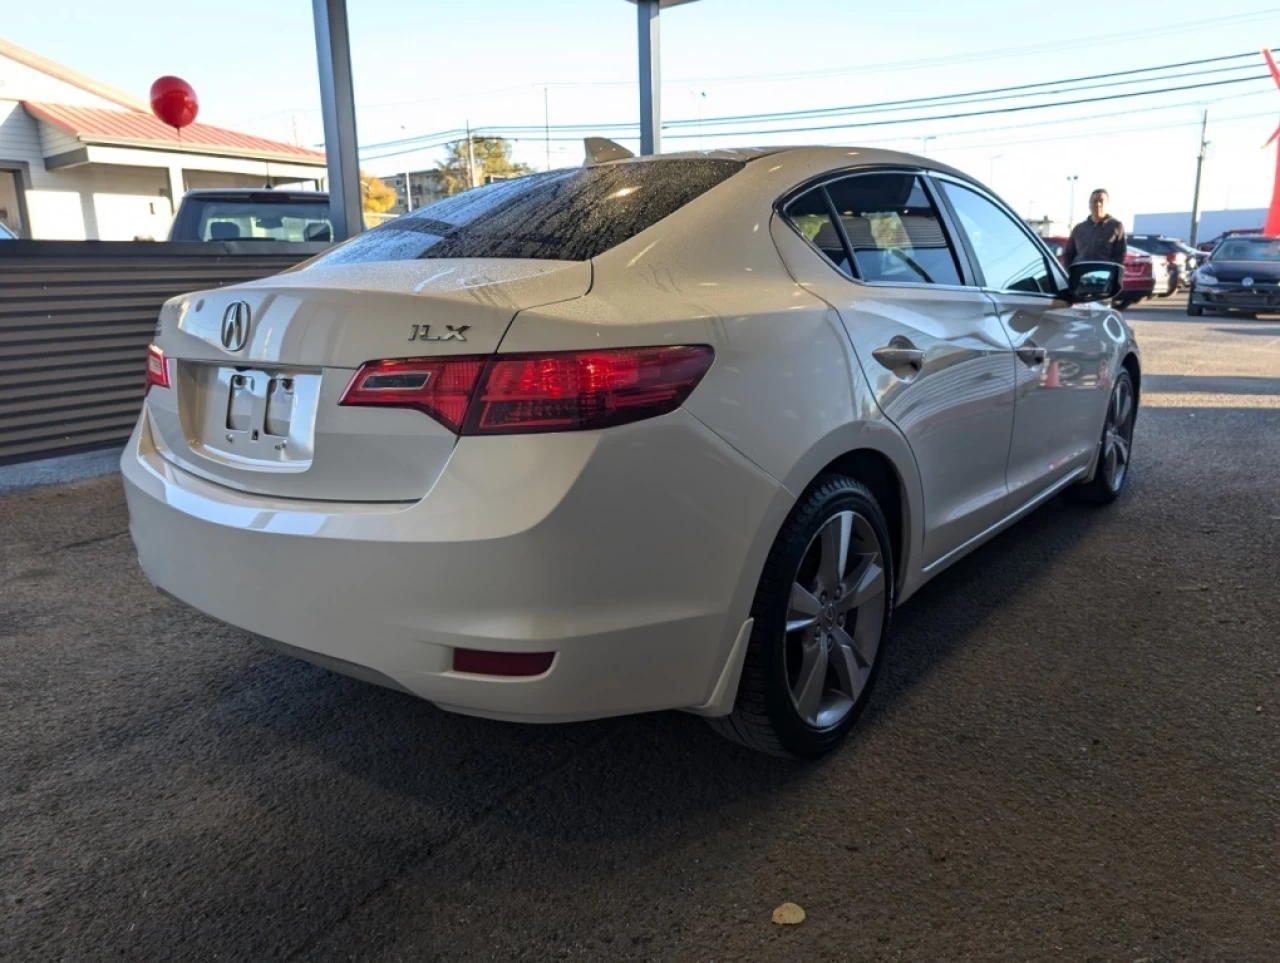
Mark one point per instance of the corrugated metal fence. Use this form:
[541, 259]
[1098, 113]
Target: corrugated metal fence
[75, 321]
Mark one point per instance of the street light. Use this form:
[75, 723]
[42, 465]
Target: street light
[991, 170]
[650, 71]
[924, 144]
[1071, 208]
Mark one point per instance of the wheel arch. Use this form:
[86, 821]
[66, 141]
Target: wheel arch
[877, 455]
[1131, 364]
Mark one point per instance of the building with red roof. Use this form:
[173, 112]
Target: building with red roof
[81, 160]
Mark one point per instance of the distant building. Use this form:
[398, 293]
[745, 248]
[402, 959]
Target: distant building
[1048, 227]
[428, 187]
[80, 160]
[1212, 223]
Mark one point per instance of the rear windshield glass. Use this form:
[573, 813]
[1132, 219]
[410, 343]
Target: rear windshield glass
[568, 215]
[279, 220]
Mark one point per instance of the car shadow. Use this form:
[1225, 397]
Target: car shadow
[1256, 331]
[1211, 384]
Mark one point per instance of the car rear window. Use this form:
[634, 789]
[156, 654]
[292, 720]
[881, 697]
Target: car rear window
[567, 215]
[276, 220]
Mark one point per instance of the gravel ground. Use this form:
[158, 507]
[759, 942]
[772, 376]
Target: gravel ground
[1073, 755]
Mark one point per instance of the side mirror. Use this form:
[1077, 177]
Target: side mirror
[1093, 281]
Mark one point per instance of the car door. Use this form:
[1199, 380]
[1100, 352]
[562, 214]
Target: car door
[931, 346]
[1062, 349]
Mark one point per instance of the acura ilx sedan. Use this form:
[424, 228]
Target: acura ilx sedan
[673, 432]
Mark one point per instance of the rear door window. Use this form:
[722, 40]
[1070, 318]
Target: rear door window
[894, 230]
[568, 215]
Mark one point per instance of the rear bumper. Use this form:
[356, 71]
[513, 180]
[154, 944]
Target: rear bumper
[632, 554]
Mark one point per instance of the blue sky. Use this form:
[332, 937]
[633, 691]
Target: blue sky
[424, 66]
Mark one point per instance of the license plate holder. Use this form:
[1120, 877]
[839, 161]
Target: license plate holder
[263, 417]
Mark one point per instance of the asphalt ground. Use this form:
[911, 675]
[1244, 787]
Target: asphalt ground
[1073, 754]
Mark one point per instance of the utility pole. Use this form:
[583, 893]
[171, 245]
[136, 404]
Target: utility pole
[546, 119]
[1195, 202]
[408, 193]
[471, 159]
[1071, 207]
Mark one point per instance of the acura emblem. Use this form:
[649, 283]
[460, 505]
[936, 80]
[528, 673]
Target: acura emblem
[1247, 282]
[235, 325]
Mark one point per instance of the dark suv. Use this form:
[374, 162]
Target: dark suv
[252, 215]
[1182, 259]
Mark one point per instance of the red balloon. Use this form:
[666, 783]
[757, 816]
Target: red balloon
[174, 101]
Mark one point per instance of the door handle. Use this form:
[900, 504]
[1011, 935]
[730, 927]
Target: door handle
[895, 357]
[1032, 355]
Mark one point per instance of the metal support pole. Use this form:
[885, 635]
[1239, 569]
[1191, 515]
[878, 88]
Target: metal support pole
[338, 106]
[1195, 202]
[408, 192]
[650, 77]
[1071, 209]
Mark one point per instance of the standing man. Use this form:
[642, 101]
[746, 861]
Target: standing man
[1099, 237]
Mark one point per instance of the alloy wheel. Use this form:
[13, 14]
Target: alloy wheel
[1117, 435]
[835, 619]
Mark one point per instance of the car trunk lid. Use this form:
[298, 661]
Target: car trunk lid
[257, 370]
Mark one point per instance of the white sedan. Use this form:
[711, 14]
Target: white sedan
[664, 433]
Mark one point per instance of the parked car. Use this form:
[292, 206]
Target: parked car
[672, 432]
[1206, 247]
[1182, 259]
[1241, 277]
[1057, 247]
[1145, 276]
[252, 215]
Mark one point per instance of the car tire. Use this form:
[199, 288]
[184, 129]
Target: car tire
[1115, 448]
[806, 638]
[1195, 310]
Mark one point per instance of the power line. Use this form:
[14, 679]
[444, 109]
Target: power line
[980, 113]
[1037, 89]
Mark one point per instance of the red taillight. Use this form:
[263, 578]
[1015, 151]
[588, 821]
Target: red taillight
[439, 387]
[482, 662]
[560, 391]
[157, 369]
[582, 390]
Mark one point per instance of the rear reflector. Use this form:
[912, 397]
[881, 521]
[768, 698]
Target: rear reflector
[439, 387]
[527, 393]
[157, 369]
[480, 662]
